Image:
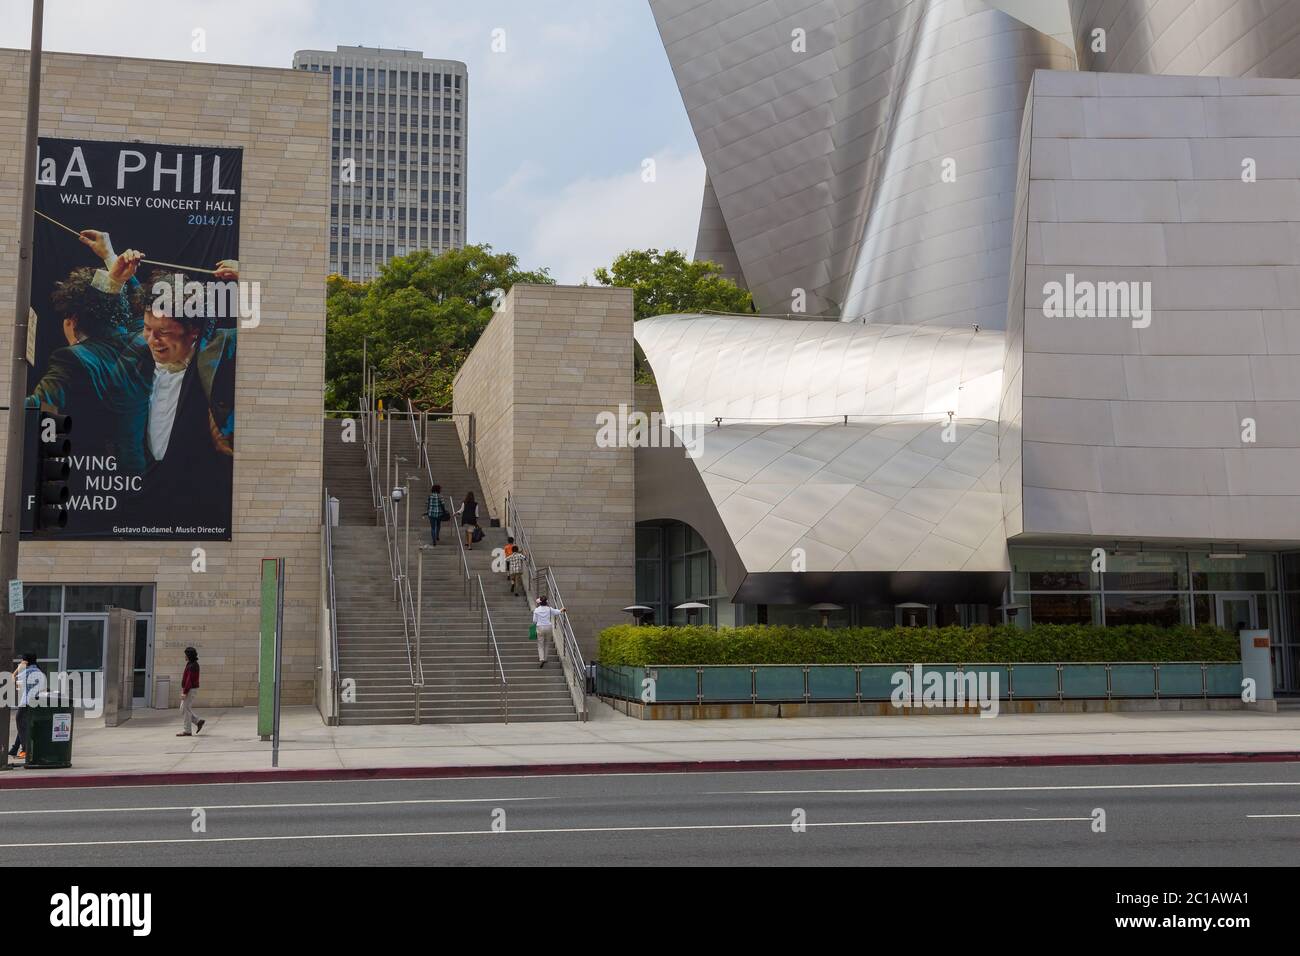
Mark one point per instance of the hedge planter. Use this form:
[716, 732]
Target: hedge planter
[859, 683]
[632, 645]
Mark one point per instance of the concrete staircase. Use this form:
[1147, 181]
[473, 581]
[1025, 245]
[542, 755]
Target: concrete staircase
[462, 683]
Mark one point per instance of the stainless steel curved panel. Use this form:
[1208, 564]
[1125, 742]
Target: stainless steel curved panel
[827, 162]
[1238, 38]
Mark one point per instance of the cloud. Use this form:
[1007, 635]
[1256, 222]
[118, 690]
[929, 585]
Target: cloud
[235, 31]
[591, 220]
[525, 173]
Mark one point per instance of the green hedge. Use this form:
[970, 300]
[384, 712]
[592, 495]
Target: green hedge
[765, 644]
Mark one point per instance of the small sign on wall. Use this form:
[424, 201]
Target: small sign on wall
[15, 597]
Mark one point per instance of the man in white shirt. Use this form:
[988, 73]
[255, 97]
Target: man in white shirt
[189, 432]
[544, 617]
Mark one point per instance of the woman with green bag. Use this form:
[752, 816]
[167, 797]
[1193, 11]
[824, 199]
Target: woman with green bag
[543, 628]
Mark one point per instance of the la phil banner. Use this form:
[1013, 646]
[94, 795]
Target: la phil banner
[135, 290]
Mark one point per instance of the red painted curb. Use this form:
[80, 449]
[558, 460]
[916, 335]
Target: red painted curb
[19, 780]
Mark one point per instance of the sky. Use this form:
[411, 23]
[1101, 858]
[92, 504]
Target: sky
[561, 123]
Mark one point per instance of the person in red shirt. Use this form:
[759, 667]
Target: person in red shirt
[189, 692]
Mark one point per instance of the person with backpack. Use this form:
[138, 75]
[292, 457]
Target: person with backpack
[189, 691]
[544, 620]
[468, 512]
[435, 511]
[515, 559]
[30, 681]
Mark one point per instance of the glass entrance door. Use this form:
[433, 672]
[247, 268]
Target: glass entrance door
[1236, 611]
[83, 642]
[143, 661]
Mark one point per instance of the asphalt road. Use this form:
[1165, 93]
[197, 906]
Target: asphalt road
[1211, 814]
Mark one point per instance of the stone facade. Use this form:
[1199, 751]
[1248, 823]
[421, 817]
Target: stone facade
[281, 119]
[549, 363]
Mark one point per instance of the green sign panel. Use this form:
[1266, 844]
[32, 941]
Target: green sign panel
[266, 651]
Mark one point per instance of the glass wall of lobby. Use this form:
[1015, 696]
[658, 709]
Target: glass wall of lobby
[66, 627]
[1136, 585]
[674, 566]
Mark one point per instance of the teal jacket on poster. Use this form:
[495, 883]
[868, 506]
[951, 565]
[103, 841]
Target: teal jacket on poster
[102, 386]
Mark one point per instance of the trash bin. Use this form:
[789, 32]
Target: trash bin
[162, 693]
[334, 512]
[49, 733]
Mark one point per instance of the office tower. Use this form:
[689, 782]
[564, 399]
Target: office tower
[399, 137]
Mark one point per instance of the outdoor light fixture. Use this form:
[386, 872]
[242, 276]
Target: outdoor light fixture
[638, 611]
[825, 608]
[692, 609]
[1228, 555]
[913, 607]
[1010, 610]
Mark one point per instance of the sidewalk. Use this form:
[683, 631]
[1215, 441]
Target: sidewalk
[147, 743]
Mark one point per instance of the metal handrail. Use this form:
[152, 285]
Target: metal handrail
[423, 452]
[392, 540]
[496, 652]
[332, 608]
[571, 659]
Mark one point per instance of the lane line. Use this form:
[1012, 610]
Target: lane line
[270, 806]
[457, 833]
[638, 768]
[1273, 816]
[1028, 789]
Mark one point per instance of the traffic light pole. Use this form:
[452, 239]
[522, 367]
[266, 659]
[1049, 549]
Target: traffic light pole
[13, 486]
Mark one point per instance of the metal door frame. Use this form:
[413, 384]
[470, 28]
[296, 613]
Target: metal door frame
[66, 618]
[1221, 596]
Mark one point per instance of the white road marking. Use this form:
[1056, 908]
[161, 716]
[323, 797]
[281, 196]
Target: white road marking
[1084, 786]
[268, 806]
[456, 833]
[1272, 816]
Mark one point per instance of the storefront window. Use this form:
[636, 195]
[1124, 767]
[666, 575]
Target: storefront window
[41, 597]
[676, 554]
[1043, 569]
[95, 597]
[1253, 572]
[37, 634]
[1164, 610]
[1146, 571]
[1063, 609]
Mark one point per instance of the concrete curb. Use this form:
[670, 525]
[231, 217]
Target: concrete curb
[20, 780]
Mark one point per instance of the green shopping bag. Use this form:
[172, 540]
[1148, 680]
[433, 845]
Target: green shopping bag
[532, 632]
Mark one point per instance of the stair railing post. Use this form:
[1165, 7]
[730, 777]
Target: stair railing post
[419, 618]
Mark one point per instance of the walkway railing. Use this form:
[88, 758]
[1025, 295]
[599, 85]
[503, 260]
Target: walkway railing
[374, 421]
[496, 651]
[331, 610]
[421, 434]
[541, 581]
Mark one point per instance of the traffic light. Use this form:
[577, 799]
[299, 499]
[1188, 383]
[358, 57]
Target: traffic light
[53, 452]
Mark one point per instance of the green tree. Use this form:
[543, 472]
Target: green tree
[664, 283]
[418, 320]
[667, 283]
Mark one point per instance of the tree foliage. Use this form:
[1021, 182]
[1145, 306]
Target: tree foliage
[664, 283]
[667, 283]
[418, 320]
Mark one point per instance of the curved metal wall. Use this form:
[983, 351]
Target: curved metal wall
[781, 369]
[1239, 38]
[826, 164]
